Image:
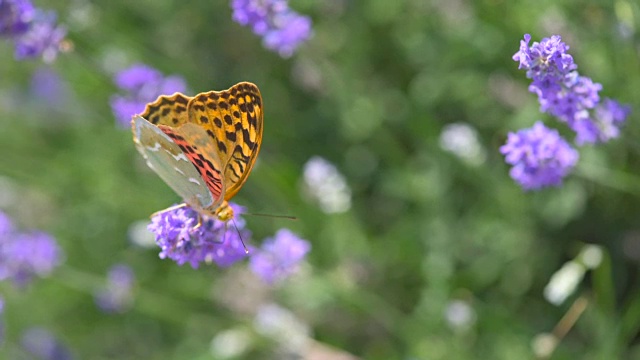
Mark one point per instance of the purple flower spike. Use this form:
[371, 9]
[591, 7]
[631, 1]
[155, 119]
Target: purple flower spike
[291, 32]
[256, 13]
[142, 84]
[6, 226]
[48, 88]
[116, 296]
[43, 38]
[15, 17]
[544, 59]
[33, 31]
[540, 157]
[43, 345]
[282, 29]
[24, 255]
[213, 241]
[605, 125]
[279, 256]
[565, 94]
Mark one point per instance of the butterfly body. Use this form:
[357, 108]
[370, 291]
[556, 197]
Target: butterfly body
[205, 146]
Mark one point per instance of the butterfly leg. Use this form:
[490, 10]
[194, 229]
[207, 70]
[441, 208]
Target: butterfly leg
[199, 222]
[170, 208]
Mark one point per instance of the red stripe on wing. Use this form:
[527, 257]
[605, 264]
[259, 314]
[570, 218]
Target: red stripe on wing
[207, 169]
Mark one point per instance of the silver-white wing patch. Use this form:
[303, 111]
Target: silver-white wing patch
[170, 163]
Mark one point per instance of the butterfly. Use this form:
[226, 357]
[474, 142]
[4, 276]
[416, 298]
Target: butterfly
[203, 146]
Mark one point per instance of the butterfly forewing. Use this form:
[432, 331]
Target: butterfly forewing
[168, 110]
[233, 119]
[170, 162]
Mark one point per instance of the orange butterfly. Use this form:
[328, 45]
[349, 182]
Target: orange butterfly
[204, 146]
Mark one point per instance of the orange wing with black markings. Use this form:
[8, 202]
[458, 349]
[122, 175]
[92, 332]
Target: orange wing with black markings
[219, 132]
[168, 110]
[233, 120]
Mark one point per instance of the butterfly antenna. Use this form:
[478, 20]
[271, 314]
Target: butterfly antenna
[288, 217]
[246, 251]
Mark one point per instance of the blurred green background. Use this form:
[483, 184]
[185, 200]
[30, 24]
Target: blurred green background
[440, 254]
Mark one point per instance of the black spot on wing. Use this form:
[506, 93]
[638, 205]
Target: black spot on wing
[222, 147]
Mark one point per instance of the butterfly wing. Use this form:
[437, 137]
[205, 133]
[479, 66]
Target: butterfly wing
[171, 163]
[233, 119]
[197, 146]
[168, 110]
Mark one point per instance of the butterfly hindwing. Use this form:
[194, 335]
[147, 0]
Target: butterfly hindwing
[197, 146]
[170, 162]
[233, 119]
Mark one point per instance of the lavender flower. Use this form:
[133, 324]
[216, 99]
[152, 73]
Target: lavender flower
[545, 60]
[279, 256]
[141, 84]
[43, 345]
[563, 93]
[282, 29]
[6, 226]
[255, 13]
[289, 32]
[116, 296]
[24, 255]
[15, 17]
[540, 157]
[605, 125]
[34, 31]
[42, 39]
[48, 88]
[212, 241]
